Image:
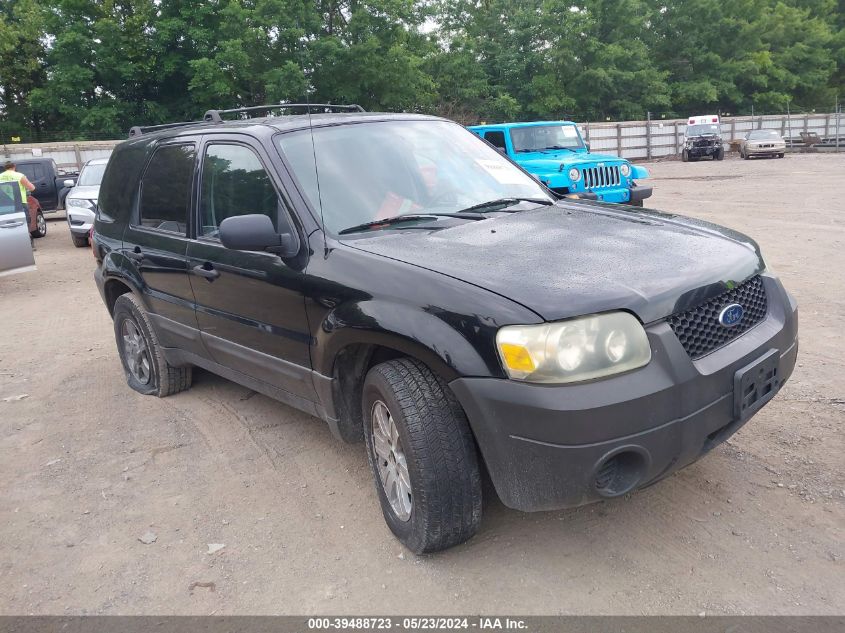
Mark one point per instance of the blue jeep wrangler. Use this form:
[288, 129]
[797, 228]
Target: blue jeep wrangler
[555, 153]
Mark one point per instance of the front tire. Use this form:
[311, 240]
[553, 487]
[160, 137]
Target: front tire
[422, 455]
[146, 369]
[40, 226]
[685, 156]
[781, 155]
[720, 154]
[80, 241]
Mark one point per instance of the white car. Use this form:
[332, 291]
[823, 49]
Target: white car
[81, 201]
[15, 242]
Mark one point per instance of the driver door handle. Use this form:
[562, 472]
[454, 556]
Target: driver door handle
[207, 271]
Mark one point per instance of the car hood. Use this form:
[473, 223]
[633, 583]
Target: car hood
[89, 192]
[579, 258]
[552, 160]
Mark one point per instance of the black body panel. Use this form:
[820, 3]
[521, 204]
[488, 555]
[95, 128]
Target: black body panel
[441, 294]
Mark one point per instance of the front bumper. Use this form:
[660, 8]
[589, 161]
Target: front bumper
[548, 447]
[709, 150]
[79, 220]
[765, 151]
[621, 195]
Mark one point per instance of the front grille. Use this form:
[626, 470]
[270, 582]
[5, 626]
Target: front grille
[699, 329]
[600, 177]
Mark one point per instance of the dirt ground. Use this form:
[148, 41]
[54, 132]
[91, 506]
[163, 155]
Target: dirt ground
[88, 467]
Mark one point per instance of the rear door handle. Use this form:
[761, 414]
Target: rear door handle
[207, 271]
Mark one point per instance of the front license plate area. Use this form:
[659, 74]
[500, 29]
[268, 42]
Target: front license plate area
[756, 384]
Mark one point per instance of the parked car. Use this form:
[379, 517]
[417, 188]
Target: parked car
[762, 143]
[703, 137]
[81, 202]
[399, 278]
[15, 241]
[51, 186]
[557, 155]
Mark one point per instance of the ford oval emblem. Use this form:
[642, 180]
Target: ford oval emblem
[731, 315]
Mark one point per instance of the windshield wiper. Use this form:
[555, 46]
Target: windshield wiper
[399, 219]
[503, 202]
[560, 147]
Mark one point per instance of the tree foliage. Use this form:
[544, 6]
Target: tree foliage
[96, 67]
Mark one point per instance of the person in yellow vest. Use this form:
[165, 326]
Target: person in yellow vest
[9, 174]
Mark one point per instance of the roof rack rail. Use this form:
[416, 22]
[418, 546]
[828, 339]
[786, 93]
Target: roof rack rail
[138, 130]
[216, 116]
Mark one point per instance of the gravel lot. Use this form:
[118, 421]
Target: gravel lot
[88, 466]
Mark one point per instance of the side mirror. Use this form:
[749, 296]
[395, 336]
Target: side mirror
[255, 232]
[68, 183]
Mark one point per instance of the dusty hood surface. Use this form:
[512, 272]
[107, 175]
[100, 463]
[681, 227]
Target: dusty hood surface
[578, 258]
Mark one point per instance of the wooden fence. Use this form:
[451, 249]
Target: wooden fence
[630, 139]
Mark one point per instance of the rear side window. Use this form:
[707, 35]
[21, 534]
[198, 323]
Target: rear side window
[166, 189]
[120, 182]
[33, 171]
[234, 182]
[496, 138]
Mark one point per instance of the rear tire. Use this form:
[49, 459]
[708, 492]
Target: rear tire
[80, 241]
[40, 226]
[146, 369]
[422, 455]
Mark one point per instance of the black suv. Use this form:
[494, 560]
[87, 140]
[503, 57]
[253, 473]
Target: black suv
[396, 276]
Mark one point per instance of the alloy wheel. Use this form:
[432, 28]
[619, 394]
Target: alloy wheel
[391, 462]
[41, 225]
[136, 352]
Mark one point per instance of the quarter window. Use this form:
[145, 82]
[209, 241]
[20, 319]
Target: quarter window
[234, 182]
[166, 189]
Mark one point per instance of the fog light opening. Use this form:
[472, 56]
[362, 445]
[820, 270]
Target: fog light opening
[620, 473]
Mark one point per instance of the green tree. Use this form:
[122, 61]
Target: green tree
[21, 65]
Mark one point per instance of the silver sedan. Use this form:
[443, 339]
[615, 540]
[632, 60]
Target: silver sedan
[15, 242]
[762, 143]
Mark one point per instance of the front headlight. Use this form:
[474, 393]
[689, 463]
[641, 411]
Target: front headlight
[571, 351]
[625, 169]
[574, 175]
[80, 203]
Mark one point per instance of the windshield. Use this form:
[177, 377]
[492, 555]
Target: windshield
[378, 170]
[91, 175]
[759, 134]
[701, 130]
[8, 200]
[537, 138]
